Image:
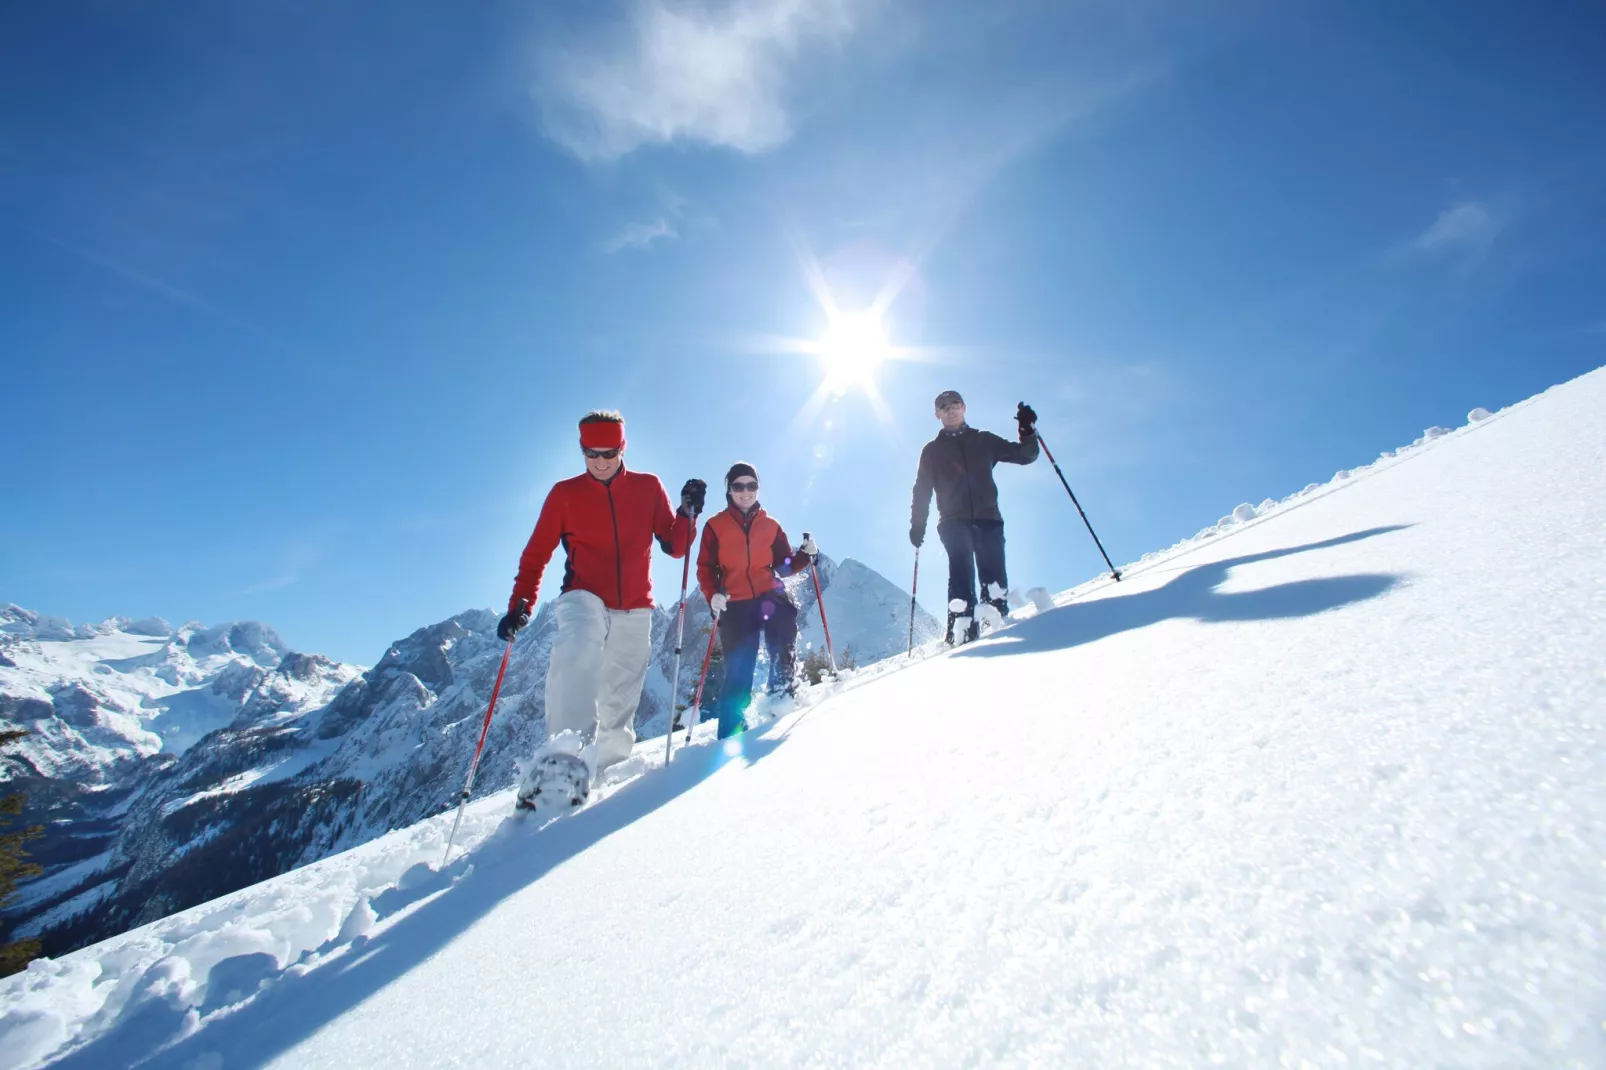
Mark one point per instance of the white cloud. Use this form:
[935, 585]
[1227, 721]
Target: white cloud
[640, 235]
[715, 73]
[1465, 226]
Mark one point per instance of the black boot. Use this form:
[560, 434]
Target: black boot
[972, 627]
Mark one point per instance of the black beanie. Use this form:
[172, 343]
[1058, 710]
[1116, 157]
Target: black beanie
[737, 471]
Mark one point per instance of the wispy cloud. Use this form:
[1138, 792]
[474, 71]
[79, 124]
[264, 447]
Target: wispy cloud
[718, 73]
[148, 282]
[1468, 225]
[277, 583]
[300, 555]
[640, 235]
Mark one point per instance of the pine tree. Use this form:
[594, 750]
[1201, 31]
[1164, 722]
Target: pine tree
[13, 868]
[817, 663]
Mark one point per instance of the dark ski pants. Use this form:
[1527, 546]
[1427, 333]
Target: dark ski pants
[770, 617]
[974, 546]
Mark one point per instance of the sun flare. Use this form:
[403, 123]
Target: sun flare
[851, 349]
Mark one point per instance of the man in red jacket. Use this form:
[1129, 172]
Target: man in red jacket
[606, 521]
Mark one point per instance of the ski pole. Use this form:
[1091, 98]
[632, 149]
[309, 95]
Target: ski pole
[473, 766]
[819, 600]
[913, 587]
[697, 703]
[674, 681]
[1113, 570]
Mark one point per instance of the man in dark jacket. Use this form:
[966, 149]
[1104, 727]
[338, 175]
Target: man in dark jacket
[958, 466]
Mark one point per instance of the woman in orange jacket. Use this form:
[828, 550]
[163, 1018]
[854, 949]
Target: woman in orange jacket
[740, 565]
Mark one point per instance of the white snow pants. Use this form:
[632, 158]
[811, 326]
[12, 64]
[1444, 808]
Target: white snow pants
[599, 663]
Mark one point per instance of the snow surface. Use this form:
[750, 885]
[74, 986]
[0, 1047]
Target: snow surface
[1322, 787]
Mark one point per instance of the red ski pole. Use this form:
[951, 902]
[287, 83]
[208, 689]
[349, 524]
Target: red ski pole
[473, 767]
[819, 599]
[697, 703]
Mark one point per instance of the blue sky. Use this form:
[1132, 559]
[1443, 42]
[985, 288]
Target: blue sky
[299, 302]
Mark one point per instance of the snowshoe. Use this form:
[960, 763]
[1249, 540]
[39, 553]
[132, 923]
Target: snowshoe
[554, 780]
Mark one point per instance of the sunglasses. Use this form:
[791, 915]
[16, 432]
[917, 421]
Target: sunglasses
[950, 406]
[600, 454]
[739, 487]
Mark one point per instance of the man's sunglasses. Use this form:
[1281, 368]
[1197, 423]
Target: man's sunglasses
[950, 405]
[743, 486]
[606, 455]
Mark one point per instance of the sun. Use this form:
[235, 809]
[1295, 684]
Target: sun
[851, 348]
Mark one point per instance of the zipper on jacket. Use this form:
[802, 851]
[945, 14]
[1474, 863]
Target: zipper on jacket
[748, 539]
[964, 464]
[618, 550]
[746, 524]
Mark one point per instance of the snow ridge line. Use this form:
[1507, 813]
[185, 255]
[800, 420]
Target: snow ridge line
[1211, 536]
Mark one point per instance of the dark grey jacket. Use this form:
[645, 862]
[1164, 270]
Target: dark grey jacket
[958, 465]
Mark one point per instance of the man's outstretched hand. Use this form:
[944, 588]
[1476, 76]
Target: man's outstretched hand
[1026, 417]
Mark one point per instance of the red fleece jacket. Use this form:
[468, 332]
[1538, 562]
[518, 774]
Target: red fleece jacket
[607, 531]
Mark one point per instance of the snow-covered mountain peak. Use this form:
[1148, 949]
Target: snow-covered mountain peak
[124, 688]
[868, 614]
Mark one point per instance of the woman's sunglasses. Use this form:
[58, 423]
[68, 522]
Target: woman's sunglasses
[601, 454]
[744, 486]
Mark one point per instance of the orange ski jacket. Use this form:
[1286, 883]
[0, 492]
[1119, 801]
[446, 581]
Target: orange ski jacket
[745, 556]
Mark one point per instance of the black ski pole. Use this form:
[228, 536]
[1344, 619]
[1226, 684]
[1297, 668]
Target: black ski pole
[674, 679]
[913, 587]
[1047, 453]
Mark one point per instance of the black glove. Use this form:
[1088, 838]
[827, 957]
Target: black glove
[692, 497]
[917, 534]
[1026, 418]
[510, 624]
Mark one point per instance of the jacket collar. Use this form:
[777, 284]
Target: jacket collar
[611, 480]
[746, 520]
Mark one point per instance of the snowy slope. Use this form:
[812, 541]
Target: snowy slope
[1323, 786]
[296, 762]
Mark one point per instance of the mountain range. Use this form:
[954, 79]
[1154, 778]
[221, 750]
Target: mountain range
[171, 765]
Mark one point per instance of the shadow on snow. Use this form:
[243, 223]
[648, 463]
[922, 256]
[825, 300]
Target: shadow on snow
[292, 1007]
[1193, 595]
